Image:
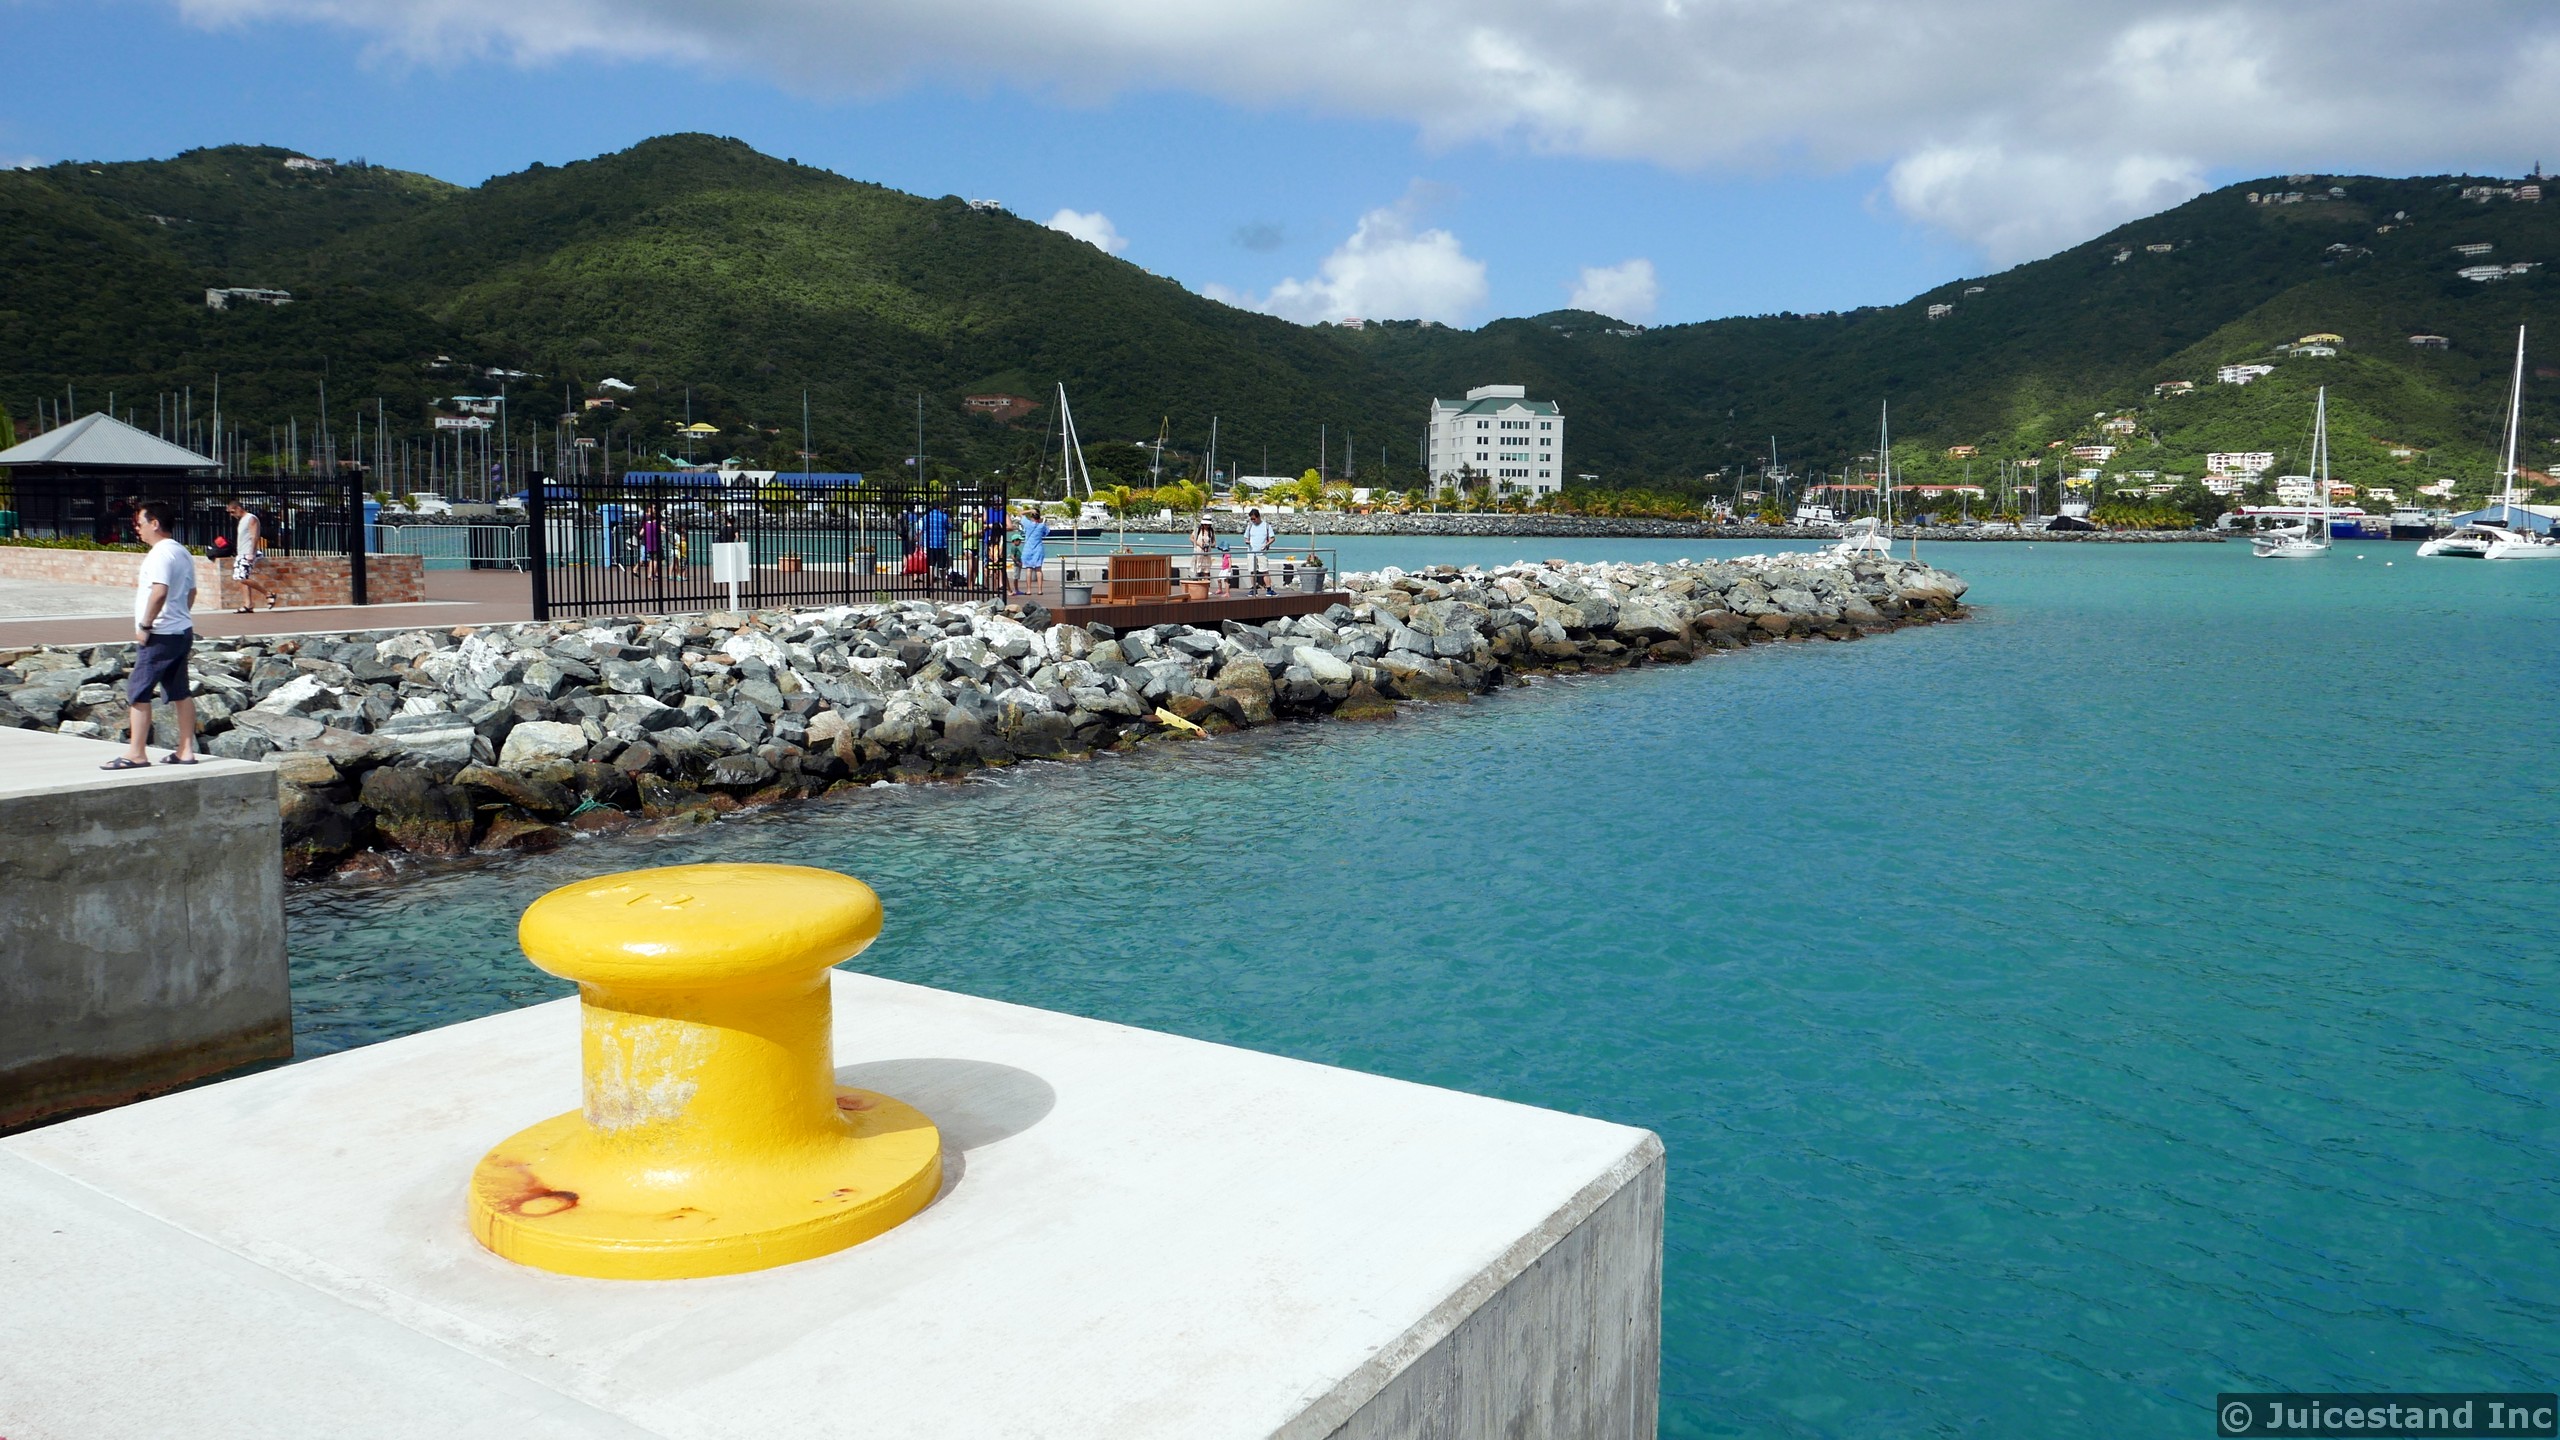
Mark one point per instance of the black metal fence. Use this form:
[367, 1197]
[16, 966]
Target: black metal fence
[319, 514]
[662, 543]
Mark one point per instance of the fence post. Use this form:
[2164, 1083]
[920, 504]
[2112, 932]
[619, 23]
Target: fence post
[355, 542]
[536, 549]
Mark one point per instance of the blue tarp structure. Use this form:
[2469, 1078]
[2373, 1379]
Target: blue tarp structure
[2519, 517]
[713, 480]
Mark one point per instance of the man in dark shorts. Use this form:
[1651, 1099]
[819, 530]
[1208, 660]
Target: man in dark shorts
[164, 633]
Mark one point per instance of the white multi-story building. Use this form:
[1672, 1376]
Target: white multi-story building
[1500, 434]
[2241, 374]
[2247, 464]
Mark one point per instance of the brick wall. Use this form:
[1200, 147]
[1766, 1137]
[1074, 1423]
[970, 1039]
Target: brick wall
[322, 580]
[298, 579]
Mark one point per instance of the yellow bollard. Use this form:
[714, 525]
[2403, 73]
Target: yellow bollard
[714, 1138]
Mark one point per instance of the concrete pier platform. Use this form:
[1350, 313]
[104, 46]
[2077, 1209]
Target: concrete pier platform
[141, 925]
[1137, 1235]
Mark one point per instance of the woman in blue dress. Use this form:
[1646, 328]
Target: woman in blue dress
[1035, 540]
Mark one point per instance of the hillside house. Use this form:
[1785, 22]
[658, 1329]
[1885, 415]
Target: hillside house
[605, 403]
[2293, 489]
[2094, 454]
[2315, 352]
[1940, 312]
[308, 165]
[609, 383]
[2482, 274]
[2402, 452]
[2246, 464]
[2173, 387]
[2441, 490]
[2430, 342]
[2225, 486]
[2119, 425]
[2122, 256]
[2381, 495]
[2160, 249]
[2241, 374]
[986, 205]
[2473, 250]
[1973, 290]
[2322, 337]
[1003, 408]
[1963, 452]
[2530, 194]
[247, 295]
[476, 404]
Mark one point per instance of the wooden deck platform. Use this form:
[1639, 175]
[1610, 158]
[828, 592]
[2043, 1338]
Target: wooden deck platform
[1139, 614]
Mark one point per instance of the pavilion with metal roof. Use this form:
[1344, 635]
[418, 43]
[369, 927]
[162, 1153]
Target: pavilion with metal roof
[99, 441]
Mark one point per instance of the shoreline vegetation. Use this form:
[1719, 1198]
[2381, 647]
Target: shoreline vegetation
[442, 744]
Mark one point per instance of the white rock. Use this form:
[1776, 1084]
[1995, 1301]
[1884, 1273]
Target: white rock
[752, 645]
[1327, 667]
[537, 741]
[296, 696]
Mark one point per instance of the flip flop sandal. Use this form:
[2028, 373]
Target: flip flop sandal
[126, 762]
[175, 760]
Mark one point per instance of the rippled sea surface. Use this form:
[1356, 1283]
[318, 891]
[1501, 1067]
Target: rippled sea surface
[2142, 989]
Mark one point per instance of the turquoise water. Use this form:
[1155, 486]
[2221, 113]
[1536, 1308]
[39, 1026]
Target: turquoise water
[2140, 990]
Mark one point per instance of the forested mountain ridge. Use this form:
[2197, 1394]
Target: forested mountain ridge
[724, 283]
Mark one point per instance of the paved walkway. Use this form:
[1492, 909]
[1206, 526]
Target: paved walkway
[90, 614]
[47, 600]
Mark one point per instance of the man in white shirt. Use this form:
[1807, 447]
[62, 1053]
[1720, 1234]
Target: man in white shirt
[164, 633]
[1257, 544]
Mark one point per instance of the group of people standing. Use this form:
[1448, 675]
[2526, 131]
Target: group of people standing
[997, 548]
[1258, 535]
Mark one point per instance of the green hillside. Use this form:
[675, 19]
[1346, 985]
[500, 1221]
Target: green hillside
[724, 283]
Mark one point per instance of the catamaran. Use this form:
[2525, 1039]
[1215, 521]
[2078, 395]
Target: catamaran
[2511, 535]
[2314, 542]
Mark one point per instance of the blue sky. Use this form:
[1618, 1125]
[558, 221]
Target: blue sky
[1220, 162]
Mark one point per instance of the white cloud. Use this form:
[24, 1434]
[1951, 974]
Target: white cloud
[1625, 291]
[1092, 227]
[1387, 270]
[1982, 110]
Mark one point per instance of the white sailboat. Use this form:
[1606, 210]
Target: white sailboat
[1873, 534]
[2511, 535]
[2314, 541]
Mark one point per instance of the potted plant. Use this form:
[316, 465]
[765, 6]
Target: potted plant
[1311, 575]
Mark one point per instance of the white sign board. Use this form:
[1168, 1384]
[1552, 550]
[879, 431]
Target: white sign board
[730, 565]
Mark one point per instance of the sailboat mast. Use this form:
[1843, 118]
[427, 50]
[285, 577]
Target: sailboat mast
[1884, 466]
[2515, 416]
[2320, 447]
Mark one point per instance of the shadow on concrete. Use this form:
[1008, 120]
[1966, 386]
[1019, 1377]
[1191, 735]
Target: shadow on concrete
[973, 1102]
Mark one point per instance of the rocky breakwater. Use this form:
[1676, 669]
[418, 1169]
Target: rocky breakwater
[443, 743]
